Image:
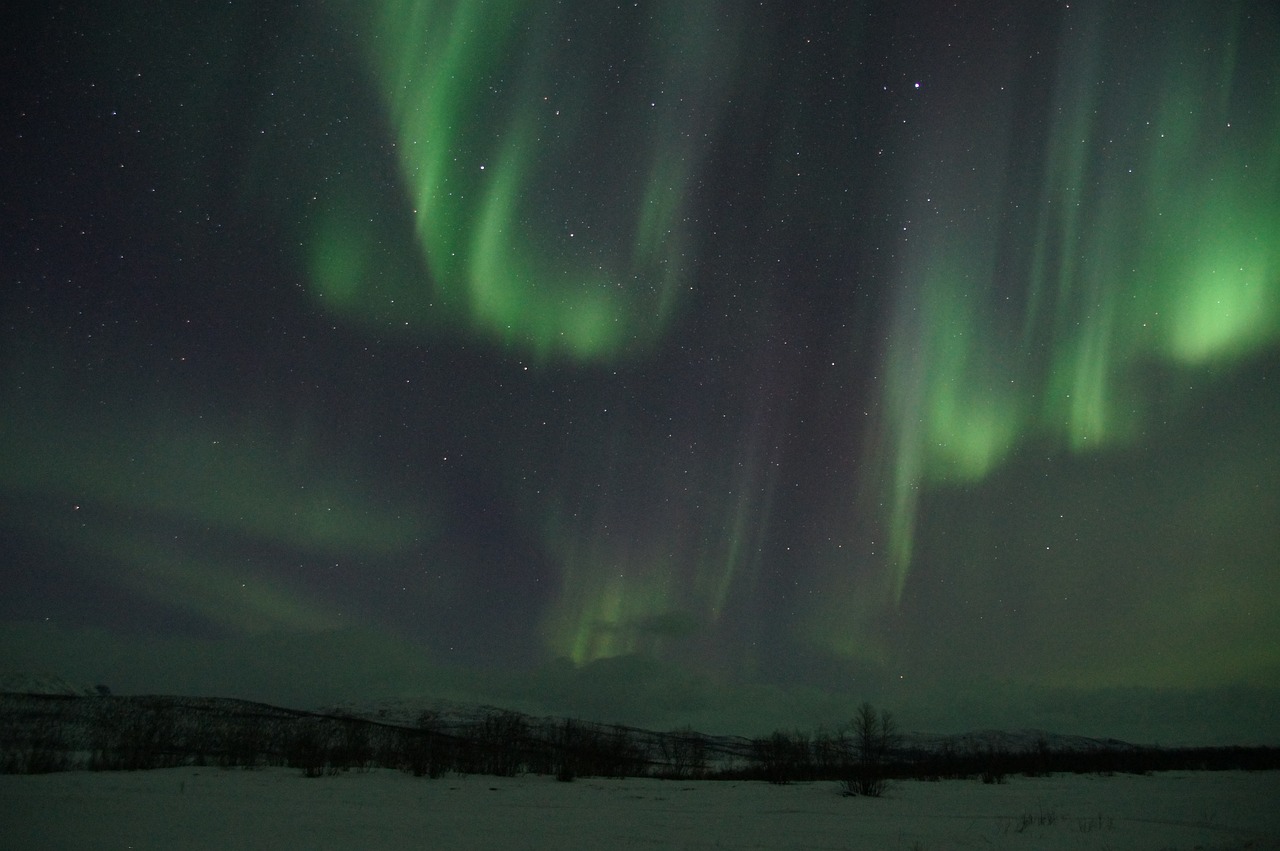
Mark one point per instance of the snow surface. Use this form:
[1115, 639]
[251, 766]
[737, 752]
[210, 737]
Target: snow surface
[185, 808]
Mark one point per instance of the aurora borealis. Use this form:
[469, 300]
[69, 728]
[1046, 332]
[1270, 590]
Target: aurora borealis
[716, 363]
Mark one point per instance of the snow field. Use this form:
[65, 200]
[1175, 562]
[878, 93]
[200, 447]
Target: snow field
[186, 808]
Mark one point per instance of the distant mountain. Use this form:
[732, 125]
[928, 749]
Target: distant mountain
[453, 717]
[48, 724]
[409, 712]
[13, 683]
[1005, 741]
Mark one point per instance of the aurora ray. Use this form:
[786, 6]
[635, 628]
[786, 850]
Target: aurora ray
[1155, 237]
[663, 362]
[529, 238]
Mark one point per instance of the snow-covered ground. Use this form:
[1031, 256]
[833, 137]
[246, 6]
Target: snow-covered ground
[277, 808]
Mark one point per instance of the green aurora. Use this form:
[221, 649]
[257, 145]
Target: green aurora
[815, 351]
[488, 99]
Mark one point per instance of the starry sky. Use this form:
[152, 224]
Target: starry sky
[722, 363]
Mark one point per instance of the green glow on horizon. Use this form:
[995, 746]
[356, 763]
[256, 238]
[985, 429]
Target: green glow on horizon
[223, 592]
[608, 601]
[236, 478]
[662, 589]
[1156, 240]
[529, 236]
[140, 506]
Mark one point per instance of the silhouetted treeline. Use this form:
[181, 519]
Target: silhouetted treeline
[863, 759]
[42, 733]
[995, 764]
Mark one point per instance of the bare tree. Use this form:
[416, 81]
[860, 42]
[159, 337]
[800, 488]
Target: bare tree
[830, 753]
[875, 735]
[783, 756]
[685, 753]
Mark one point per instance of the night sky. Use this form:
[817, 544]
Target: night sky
[721, 363]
